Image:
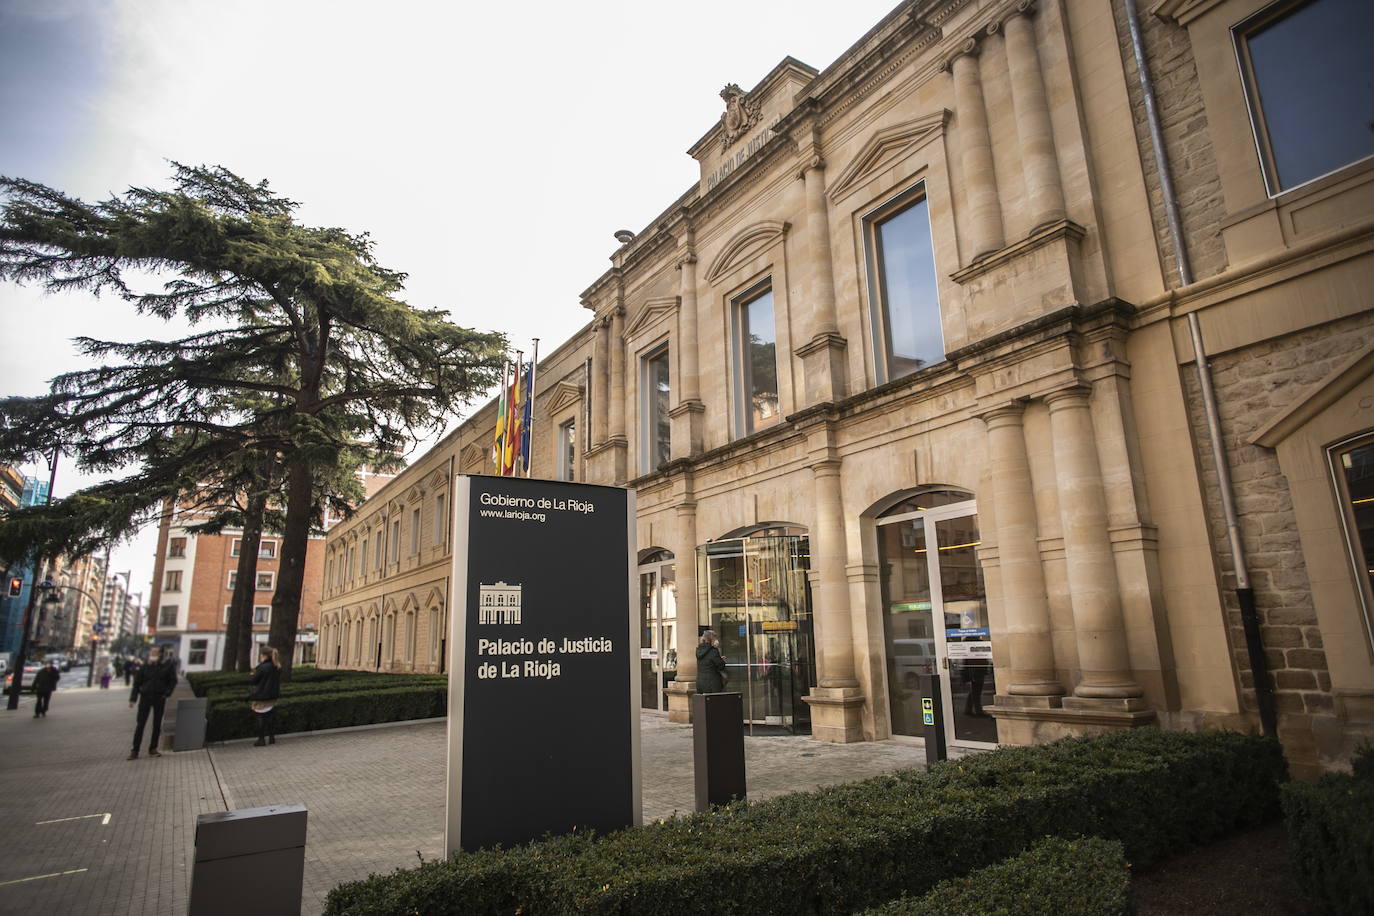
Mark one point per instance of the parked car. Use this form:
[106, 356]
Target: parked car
[29, 671]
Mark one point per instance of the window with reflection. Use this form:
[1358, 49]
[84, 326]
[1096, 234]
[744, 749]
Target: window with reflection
[655, 438]
[906, 307]
[756, 361]
[567, 451]
[1352, 465]
[1309, 86]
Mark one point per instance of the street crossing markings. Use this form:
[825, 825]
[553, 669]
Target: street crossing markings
[56, 874]
[80, 817]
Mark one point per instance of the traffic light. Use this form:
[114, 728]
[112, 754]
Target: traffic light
[16, 586]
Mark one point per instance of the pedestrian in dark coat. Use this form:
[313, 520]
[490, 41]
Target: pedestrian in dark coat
[44, 683]
[130, 670]
[266, 689]
[710, 664]
[153, 684]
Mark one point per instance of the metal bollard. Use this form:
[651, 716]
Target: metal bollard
[189, 733]
[933, 718]
[718, 748]
[249, 861]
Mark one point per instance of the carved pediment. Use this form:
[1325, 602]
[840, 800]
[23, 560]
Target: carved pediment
[436, 479]
[747, 244]
[887, 147]
[563, 395]
[410, 604]
[435, 599]
[653, 311]
[471, 454]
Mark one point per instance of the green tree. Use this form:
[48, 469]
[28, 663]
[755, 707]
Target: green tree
[306, 329]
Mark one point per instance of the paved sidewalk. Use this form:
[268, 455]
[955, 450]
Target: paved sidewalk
[375, 799]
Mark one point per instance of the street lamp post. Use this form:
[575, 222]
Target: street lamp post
[17, 685]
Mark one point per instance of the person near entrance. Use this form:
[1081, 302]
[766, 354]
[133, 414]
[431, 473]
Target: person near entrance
[266, 689]
[710, 664]
[44, 683]
[153, 684]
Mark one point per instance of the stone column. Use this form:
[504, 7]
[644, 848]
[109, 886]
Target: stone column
[1094, 591]
[1023, 578]
[617, 345]
[601, 377]
[836, 701]
[1039, 161]
[824, 373]
[685, 554]
[975, 142]
[686, 415]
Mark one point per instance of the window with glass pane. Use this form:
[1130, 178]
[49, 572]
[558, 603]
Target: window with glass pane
[1354, 471]
[758, 365]
[167, 615]
[1310, 87]
[567, 451]
[654, 412]
[907, 308]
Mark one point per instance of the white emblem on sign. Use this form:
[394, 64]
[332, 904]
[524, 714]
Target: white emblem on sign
[498, 603]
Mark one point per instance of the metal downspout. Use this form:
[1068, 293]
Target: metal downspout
[1245, 595]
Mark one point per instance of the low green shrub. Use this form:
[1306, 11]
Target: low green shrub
[316, 711]
[847, 848]
[237, 691]
[1087, 876]
[1331, 837]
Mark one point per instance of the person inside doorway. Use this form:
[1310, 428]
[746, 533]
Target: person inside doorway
[711, 677]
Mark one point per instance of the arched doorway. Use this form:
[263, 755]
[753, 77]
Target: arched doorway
[658, 627]
[755, 595]
[935, 614]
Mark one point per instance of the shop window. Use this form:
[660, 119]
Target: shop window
[167, 615]
[756, 366]
[567, 450]
[1309, 87]
[904, 302]
[199, 650]
[172, 583]
[176, 548]
[655, 427]
[1352, 464]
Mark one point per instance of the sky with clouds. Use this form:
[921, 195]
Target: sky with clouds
[490, 149]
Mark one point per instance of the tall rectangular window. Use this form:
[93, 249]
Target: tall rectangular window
[1352, 465]
[199, 649]
[176, 547]
[415, 530]
[396, 541]
[1309, 86]
[756, 364]
[173, 581]
[167, 615]
[440, 519]
[905, 305]
[655, 427]
[262, 613]
[567, 450]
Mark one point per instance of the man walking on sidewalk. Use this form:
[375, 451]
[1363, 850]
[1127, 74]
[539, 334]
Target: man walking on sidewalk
[44, 683]
[153, 684]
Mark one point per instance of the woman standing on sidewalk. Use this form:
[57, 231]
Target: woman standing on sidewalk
[266, 690]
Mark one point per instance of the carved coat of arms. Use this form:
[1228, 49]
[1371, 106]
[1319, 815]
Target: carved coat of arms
[740, 114]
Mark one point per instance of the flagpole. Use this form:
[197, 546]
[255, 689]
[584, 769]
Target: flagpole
[529, 433]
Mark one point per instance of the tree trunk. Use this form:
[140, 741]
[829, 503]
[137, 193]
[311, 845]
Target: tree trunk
[286, 601]
[238, 640]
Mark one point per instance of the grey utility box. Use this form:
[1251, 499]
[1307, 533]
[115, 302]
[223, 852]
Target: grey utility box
[189, 734]
[249, 861]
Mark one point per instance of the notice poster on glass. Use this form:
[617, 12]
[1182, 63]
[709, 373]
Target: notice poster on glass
[543, 724]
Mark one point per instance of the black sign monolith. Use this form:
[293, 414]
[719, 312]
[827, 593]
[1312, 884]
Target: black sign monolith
[543, 691]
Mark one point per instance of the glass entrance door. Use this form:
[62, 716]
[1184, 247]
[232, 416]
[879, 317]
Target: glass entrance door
[935, 618]
[658, 632]
[754, 594]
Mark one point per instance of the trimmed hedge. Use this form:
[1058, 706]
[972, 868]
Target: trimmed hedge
[316, 711]
[1331, 837]
[1087, 876]
[238, 691]
[847, 848]
[204, 681]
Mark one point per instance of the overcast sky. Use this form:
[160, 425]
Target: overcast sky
[490, 149]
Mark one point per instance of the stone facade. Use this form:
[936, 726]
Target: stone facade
[1057, 422]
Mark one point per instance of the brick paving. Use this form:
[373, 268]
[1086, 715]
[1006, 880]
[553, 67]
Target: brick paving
[375, 799]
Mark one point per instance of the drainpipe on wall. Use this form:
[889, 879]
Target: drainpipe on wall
[1245, 595]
